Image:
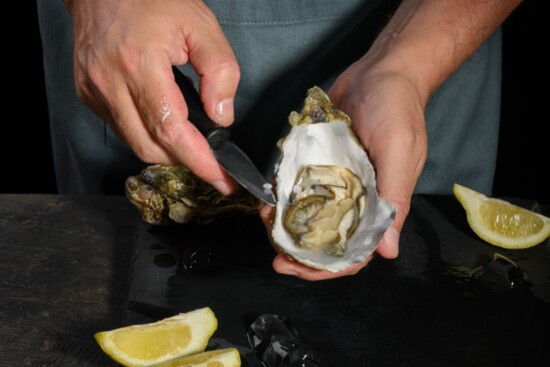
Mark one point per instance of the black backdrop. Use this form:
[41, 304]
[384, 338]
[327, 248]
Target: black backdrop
[26, 148]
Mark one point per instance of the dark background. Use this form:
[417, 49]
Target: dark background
[522, 158]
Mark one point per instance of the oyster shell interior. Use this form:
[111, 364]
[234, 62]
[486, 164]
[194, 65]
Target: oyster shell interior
[324, 208]
[328, 214]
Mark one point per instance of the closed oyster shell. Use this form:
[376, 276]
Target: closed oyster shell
[330, 221]
[165, 194]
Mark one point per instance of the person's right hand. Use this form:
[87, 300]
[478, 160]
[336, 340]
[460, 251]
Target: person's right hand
[124, 52]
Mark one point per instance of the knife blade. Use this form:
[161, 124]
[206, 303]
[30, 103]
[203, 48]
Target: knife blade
[232, 159]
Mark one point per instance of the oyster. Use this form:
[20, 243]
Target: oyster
[328, 213]
[173, 193]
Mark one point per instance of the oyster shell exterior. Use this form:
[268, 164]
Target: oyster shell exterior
[165, 194]
[328, 214]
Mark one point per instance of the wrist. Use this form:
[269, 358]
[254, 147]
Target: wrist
[415, 53]
[399, 67]
[425, 41]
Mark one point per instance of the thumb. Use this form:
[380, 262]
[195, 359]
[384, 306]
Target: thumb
[215, 63]
[398, 169]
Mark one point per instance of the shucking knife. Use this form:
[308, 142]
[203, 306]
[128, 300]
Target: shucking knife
[232, 159]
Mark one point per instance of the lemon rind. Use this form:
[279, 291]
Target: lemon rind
[227, 357]
[202, 322]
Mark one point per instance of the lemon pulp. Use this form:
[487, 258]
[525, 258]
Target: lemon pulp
[152, 343]
[514, 222]
[501, 223]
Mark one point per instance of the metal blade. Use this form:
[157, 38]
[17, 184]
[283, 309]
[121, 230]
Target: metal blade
[240, 167]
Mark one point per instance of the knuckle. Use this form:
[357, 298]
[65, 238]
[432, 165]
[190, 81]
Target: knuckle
[97, 79]
[129, 60]
[84, 85]
[95, 75]
[230, 67]
[227, 67]
[145, 154]
[168, 133]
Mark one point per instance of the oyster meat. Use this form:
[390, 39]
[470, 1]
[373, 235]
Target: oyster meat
[173, 193]
[328, 213]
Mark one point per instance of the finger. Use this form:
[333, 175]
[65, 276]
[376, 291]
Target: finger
[398, 163]
[216, 64]
[283, 265]
[165, 113]
[388, 247]
[266, 215]
[137, 135]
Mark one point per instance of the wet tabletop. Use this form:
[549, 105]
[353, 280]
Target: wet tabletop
[71, 266]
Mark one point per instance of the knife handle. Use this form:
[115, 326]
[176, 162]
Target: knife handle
[197, 114]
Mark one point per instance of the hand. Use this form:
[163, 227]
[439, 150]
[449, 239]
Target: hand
[387, 115]
[124, 52]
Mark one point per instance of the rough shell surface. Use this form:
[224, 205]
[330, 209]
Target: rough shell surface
[165, 194]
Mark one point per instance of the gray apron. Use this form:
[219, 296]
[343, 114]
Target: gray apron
[283, 48]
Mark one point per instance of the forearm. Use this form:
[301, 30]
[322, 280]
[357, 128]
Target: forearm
[426, 40]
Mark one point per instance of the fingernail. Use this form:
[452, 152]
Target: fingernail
[222, 187]
[224, 111]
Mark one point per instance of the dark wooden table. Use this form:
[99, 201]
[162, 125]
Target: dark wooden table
[72, 266]
[64, 275]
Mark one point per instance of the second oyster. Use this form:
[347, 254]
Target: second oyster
[165, 194]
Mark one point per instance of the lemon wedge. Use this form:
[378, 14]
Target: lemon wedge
[501, 223]
[149, 344]
[228, 357]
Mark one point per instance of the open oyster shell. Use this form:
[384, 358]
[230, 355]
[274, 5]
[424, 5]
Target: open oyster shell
[328, 213]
